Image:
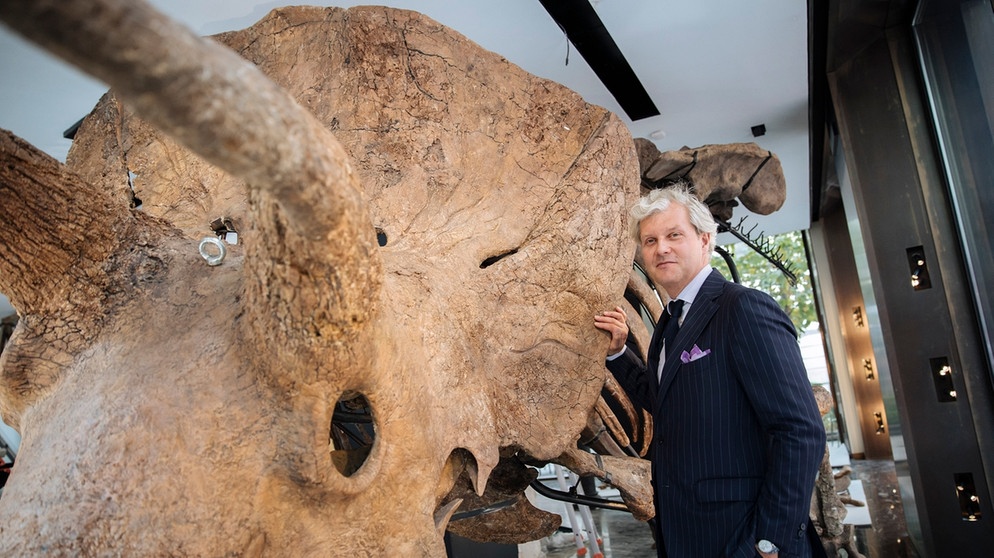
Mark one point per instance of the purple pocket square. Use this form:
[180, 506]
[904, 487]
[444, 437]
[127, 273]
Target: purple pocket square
[694, 354]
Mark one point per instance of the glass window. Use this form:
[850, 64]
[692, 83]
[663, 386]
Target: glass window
[956, 44]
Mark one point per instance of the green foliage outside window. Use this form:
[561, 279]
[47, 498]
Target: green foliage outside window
[757, 272]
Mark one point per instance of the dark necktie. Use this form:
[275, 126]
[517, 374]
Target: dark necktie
[674, 309]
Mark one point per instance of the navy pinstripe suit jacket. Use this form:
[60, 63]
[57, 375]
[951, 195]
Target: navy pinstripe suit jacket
[738, 437]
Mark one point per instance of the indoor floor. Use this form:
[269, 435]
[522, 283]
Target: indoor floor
[884, 537]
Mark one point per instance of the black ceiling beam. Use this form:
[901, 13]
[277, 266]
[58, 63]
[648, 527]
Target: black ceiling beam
[585, 30]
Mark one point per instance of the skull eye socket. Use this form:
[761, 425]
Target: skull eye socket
[352, 433]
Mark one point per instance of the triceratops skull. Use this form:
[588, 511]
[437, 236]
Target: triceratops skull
[169, 407]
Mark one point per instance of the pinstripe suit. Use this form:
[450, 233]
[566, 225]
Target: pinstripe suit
[738, 437]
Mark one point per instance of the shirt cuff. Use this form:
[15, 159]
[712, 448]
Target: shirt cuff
[617, 354]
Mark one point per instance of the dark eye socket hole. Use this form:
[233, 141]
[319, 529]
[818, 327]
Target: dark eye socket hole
[381, 237]
[352, 433]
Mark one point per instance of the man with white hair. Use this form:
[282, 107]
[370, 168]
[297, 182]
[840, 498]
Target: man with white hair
[737, 435]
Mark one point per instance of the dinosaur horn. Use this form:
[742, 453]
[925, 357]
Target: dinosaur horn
[203, 94]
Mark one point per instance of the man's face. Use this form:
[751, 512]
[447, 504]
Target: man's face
[672, 249]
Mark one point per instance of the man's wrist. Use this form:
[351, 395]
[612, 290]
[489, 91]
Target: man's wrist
[617, 354]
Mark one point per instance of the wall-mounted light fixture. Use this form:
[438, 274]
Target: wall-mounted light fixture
[966, 493]
[857, 316]
[919, 269]
[879, 416]
[868, 368]
[942, 377]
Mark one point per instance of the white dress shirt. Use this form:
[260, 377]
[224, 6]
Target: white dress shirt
[687, 295]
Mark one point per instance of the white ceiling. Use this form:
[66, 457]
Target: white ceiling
[714, 68]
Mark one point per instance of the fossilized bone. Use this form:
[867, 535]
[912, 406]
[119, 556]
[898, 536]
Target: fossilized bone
[828, 507]
[168, 407]
[162, 395]
[720, 174]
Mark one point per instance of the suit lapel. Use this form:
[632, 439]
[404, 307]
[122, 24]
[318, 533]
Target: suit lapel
[701, 311]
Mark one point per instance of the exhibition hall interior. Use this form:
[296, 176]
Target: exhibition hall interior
[181, 320]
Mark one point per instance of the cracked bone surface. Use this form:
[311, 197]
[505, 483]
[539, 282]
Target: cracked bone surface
[170, 407]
